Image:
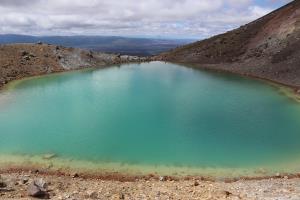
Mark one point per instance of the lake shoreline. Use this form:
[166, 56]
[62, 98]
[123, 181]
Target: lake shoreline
[288, 90]
[122, 177]
[26, 60]
[66, 183]
[78, 186]
[50, 164]
[116, 179]
[292, 91]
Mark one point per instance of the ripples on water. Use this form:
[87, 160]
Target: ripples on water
[151, 114]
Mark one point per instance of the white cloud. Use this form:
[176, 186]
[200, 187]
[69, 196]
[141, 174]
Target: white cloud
[181, 18]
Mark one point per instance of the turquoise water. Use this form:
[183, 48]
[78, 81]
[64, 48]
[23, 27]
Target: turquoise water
[153, 114]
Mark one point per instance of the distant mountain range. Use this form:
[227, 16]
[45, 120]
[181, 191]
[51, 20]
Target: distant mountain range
[108, 44]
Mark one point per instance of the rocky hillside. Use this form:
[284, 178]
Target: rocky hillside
[267, 48]
[22, 60]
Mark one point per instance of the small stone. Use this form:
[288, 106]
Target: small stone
[90, 54]
[49, 156]
[24, 53]
[24, 180]
[227, 193]
[75, 175]
[92, 194]
[26, 57]
[41, 183]
[50, 166]
[196, 183]
[36, 191]
[75, 192]
[3, 184]
[121, 196]
[261, 171]
[32, 55]
[162, 178]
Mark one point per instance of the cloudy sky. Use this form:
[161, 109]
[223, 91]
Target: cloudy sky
[146, 18]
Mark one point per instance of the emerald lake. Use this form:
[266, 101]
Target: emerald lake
[156, 114]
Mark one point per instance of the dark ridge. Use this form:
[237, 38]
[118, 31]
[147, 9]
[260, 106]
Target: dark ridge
[268, 48]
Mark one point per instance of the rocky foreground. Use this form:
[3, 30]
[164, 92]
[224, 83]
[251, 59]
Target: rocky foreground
[28, 185]
[25, 60]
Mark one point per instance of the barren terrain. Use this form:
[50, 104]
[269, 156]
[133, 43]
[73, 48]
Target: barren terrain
[268, 48]
[25, 60]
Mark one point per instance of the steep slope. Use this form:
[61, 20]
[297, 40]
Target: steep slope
[267, 48]
[23, 60]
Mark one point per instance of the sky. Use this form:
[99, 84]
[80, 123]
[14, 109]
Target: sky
[136, 18]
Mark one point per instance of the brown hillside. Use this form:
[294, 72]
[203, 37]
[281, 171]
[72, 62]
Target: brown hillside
[23, 60]
[267, 48]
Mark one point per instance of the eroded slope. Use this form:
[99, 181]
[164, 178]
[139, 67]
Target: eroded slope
[267, 48]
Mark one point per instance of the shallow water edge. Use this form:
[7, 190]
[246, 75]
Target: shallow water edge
[290, 91]
[114, 170]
